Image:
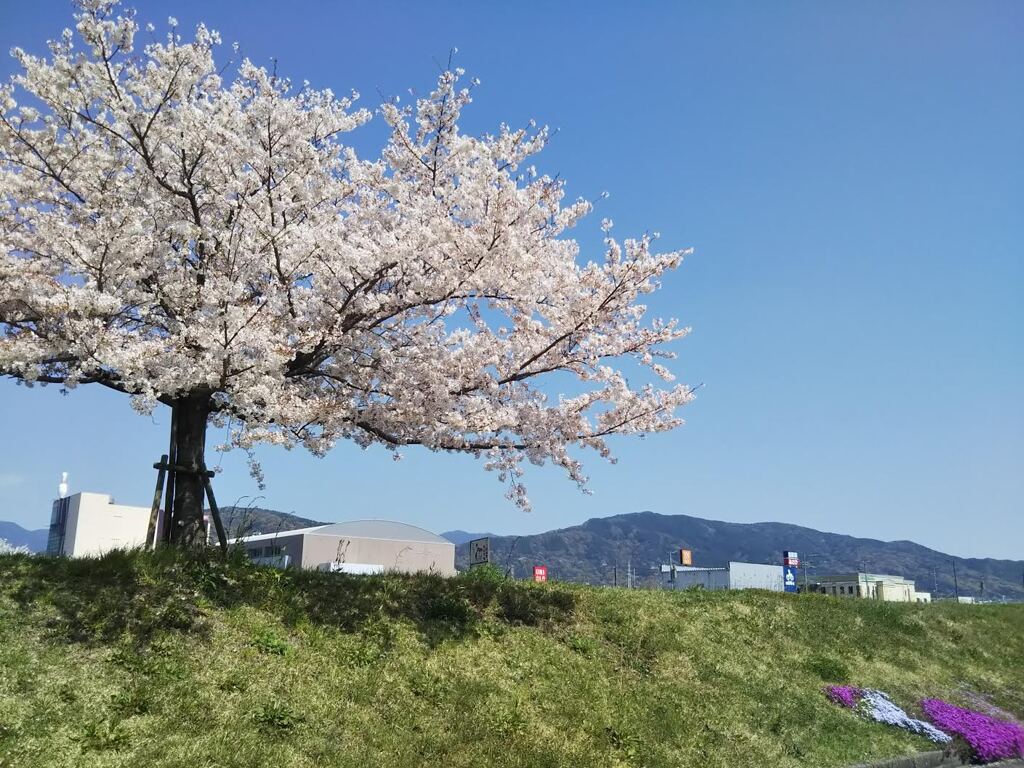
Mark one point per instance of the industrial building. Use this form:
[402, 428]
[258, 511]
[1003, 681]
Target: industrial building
[89, 524]
[359, 546]
[733, 576]
[874, 586]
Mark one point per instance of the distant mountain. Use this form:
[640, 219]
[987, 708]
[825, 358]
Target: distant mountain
[242, 521]
[593, 551]
[21, 537]
[457, 537]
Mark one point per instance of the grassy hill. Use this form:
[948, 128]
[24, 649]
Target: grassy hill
[589, 552]
[166, 660]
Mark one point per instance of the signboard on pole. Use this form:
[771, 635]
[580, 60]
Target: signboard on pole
[790, 558]
[685, 557]
[540, 573]
[789, 574]
[479, 552]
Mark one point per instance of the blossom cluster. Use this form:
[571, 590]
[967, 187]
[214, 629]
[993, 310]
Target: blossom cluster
[990, 738]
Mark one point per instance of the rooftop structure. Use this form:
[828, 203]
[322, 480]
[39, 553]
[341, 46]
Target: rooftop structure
[357, 546]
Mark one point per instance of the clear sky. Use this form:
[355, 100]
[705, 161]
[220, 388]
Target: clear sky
[851, 176]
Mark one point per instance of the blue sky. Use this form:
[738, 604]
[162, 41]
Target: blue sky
[851, 177]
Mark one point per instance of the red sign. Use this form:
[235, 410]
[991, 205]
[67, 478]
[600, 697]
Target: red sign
[540, 573]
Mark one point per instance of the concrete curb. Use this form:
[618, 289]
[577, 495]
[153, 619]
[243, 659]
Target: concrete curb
[932, 760]
[920, 760]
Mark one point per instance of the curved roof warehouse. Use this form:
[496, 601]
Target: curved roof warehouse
[357, 546]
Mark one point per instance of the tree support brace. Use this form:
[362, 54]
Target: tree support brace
[167, 468]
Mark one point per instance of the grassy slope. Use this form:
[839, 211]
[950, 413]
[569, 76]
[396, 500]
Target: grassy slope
[160, 661]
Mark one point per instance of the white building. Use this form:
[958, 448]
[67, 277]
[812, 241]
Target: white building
[359, 546]
[734, 576]
[875, 586]
[89, 524]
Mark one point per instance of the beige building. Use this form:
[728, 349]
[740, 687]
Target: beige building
[360, 546]
[874, 586]
[89, 524]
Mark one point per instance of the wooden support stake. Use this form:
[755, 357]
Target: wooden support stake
[154, 514]
[221, 537]
[182, 468]
[172, 458]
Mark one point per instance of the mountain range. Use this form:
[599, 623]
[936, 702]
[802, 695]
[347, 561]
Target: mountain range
[601, 550]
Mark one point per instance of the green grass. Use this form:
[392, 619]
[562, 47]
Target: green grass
[169, 660]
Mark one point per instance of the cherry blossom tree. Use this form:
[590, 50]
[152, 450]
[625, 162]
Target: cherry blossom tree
[214, 246]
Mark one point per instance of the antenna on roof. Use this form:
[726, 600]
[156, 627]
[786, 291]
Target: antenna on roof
[62, 489]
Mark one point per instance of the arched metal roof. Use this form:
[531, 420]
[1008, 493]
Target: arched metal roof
[379, 529]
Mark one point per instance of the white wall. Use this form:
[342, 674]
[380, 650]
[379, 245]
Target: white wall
[755, 576]
[95, 525]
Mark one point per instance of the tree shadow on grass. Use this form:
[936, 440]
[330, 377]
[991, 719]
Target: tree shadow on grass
[136, 596]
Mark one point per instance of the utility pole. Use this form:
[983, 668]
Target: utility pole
[956, 585]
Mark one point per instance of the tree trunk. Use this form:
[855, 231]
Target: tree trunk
[187, 528]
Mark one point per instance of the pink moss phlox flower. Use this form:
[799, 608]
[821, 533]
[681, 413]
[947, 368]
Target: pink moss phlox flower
[991, 739]
[844, 695]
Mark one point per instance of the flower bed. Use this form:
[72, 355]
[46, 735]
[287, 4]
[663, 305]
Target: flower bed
[876, 705]
[989, 738]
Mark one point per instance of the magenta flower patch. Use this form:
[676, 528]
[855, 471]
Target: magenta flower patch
[991, 739]
[844, 695]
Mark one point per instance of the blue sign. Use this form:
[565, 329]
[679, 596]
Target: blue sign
[789, 578]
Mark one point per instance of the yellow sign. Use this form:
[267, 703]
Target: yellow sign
[685, 557]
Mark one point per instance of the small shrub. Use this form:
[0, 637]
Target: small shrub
[137, 700]
[103, 734]
[628, 745]
[267, 641]
[233, 682]
[377, 640]
[829, 669]
[581, 644]
[482, 584]
[532, 606]
[276, 717]
[446, 607]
